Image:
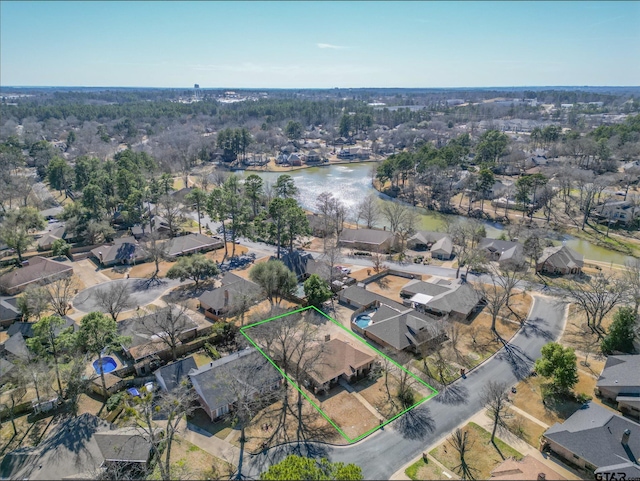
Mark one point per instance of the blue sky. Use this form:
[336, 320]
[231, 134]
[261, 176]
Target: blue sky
[319, 44]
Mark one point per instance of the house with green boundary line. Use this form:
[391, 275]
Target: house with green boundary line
[246, 333]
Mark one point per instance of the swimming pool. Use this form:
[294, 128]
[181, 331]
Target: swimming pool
[108, 365]
[363, 321]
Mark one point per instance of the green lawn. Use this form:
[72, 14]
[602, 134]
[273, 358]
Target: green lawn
[482, 455]
[424, 470]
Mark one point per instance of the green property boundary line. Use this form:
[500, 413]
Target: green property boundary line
[350, 441]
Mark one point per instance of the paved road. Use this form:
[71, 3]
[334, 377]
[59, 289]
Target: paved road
[143, 292]
[383, 453]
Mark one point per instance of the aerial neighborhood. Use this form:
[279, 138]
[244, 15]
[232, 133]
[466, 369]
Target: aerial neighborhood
[318, 283]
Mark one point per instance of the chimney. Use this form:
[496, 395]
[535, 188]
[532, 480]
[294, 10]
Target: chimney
[327, 338]
[625, 437]
[226, 298]
[542, 477]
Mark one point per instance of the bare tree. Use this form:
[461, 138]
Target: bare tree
[13, 393]
[494, 398]
[394, 213]
[174, 406]
[596, 297]
[114, 299]
[459, 441]
[172, 211]
[168, 325]
[60, 293]
[368, 211]
[33, 302]
[632, 280]
[509, 278]
[38, 373]
[495, 298]
[407, 227]
[157, 250]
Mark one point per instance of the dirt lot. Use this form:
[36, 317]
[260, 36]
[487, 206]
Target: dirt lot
[388, 286]
[347, 412]
[482, 459]
[194, 463]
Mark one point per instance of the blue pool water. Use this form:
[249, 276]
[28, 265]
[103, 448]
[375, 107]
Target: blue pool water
[108, 365]
[363, 320]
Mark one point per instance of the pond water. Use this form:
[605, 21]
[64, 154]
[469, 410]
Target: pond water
[352, 182]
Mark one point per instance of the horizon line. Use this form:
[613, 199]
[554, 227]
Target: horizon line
[318, 88]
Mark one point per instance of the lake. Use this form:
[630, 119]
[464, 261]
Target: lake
[352, 182]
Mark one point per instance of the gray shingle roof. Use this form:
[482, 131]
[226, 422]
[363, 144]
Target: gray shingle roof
[426, 237]
[122, 250]
[190, 243]
[39, 269]
[403, 329]
[594, 433]
[620, 371]
[138, 328]
[363, 297]
[417, 286]
[365, 236]
[17, 346]
[123, 447]
[171, 375]
[247, 370]
[236, 287]
[444, 245]
[561, 257]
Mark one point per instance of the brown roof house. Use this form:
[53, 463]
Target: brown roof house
[46, 241]
[124, 250]
[233, 293]
[39, 271]
[619, 382]
[338, 360]
[596, 439]
[368, 239]
[527, 468]
[560, 260]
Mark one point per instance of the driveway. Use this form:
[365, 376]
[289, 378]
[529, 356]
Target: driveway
[143, 292]
[386, 451]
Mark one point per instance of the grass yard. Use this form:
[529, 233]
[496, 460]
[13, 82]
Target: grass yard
[29, 434]
[375, 393]
[529, 398]
[422, 469]
[526, 429]
[483, 456]
[148, 268]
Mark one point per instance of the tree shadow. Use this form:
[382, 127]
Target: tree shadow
[521, 364]
[415, 424]
[453, 395]
[536, 328]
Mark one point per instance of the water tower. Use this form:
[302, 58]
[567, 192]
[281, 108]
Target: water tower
[196, 91]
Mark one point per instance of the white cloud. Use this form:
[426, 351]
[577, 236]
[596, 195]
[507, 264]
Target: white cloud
[328, 45]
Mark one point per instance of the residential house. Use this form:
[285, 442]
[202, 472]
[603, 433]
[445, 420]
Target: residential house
[52, 213]
[9, 311]
[82, 447]
[507, 254]
[172, 375]
[40, 270]
[26, 328]
[295, 159]
[622, 211]
[313, 157]
[158, 224]
[335, 360]
[245, 373]
[619, 383]
[438, 243]
[527, 468]
[303, 265]
[147, 332]
[560, 260]
[368, 239]
[179, 195]
[124, 250]
[233, 294]
[442, 249]
[594, 438]
[452, 299]
[191, 244]
[389, 323]
[15, 348]
[46, 241]
[6, 369]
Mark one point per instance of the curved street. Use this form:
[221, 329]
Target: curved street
[386, 451]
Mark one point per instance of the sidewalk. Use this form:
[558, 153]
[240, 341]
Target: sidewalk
[481, 419]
